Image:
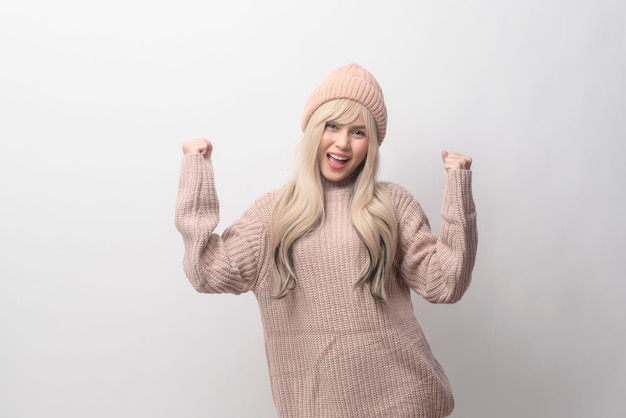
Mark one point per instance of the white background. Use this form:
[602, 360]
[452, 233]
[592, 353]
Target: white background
[96, 316]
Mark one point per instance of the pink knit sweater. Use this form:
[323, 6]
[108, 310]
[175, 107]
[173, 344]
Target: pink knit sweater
[332, 351]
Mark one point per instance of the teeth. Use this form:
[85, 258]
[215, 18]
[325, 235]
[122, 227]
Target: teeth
[336, 157]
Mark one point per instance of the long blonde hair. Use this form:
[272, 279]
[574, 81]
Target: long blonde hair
[299, 207]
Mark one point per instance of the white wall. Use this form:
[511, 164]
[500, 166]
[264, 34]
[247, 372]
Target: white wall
[96, 316]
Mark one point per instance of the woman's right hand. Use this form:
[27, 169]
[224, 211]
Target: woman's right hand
[199, 146]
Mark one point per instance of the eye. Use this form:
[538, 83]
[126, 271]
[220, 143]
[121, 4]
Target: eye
[359, 133]
[332, 126]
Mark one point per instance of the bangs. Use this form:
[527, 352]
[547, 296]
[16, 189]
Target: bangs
[342, 111]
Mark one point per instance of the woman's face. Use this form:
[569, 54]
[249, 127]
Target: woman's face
[343, 148]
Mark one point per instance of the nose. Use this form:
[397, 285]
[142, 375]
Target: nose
[342, 139]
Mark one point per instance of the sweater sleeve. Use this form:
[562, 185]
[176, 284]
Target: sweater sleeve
[214, 263]
[440, 268]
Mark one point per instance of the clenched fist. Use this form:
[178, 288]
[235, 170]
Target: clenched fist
[199, 146]
[455, 161]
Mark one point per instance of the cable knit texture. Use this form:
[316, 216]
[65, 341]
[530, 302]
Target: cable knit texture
[332, 351]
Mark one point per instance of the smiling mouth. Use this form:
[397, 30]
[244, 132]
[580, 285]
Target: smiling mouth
[336, 161]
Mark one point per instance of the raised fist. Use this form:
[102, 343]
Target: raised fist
[455, 161]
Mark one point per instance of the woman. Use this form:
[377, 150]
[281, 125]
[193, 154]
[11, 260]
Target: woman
[331, 258]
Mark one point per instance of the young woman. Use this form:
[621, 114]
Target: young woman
[331, 258]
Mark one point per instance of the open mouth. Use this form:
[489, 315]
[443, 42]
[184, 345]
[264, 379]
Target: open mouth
[337, 161]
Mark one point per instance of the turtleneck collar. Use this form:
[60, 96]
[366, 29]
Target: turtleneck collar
[337, 187]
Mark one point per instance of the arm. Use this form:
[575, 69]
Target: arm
[439, 268]
[213, 263]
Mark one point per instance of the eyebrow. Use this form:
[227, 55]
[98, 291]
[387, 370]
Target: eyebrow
[360, 127]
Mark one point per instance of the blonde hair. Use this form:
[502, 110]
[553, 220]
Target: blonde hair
[299, 207]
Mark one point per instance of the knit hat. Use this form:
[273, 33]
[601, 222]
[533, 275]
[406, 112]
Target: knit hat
[350, 82]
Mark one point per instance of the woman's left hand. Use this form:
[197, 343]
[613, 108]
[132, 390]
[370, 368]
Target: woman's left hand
[455, 161]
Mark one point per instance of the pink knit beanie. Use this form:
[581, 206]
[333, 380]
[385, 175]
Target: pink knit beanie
[350, 82]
